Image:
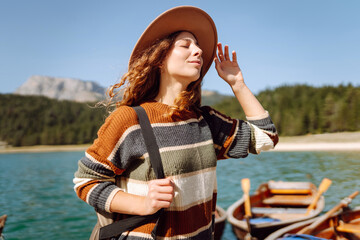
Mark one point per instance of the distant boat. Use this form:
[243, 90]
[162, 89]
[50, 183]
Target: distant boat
[274, 205]
[220, 220]
[343, 225]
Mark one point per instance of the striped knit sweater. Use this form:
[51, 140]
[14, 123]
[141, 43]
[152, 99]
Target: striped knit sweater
[190, 145]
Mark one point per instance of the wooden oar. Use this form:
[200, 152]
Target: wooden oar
[348, 227]
[324, 185]
[343, 203]
[245, 184]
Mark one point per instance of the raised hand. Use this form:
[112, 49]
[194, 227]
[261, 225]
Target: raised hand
[228, 69]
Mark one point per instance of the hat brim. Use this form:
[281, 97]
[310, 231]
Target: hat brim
[183, 18]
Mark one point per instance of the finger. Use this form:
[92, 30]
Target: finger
[220, 52]
[216, 60]
[164, 197]
[162, 182]
[162, 186]
[164, 204]
[227, 57]
[160, 196]
[234, 57]
[218, 67]
[165, 189]
[155, 189]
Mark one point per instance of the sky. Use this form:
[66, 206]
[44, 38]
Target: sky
[278, 42]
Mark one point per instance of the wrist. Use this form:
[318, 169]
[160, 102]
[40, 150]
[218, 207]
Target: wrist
[143, 203]
[238, 86]
[127, 203]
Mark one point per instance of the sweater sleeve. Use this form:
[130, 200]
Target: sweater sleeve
[235, 138]
[95, 178]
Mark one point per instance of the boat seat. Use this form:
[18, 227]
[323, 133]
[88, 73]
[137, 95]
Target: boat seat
[348, 227]
[291, 200]
[265, 210]
[279, 213]
[289, 187]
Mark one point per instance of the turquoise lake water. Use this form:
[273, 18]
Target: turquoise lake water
[36, 189]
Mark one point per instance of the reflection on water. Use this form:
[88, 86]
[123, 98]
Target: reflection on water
[37, 190]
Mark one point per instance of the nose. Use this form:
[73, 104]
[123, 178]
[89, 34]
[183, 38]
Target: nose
[197, 51]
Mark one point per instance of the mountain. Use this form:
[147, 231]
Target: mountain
[62, 89]
[82, 91]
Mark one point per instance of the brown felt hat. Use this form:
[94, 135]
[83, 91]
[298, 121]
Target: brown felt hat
[183, 18]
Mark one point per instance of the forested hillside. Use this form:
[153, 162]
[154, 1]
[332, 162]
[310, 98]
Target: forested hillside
[34, 120]
[301, 109]
[37, 120]
[296, 110]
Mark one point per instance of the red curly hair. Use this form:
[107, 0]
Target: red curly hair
[143, 80]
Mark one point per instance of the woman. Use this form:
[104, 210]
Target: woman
[165, 72]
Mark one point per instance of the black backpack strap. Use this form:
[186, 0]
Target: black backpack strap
[114, 229]
[118, 227]
[150, 142]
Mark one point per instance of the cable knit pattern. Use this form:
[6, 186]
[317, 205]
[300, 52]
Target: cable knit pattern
[190, 145]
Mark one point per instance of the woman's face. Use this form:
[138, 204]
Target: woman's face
[184, 61]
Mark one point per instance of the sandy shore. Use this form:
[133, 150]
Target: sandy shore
[328, 147]
[346, 141]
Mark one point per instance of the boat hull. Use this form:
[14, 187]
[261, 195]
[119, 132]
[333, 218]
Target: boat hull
[288, 213]
[328, 229]
[220, 221]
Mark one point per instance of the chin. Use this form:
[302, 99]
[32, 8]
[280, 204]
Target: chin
[189, 78]
[195, 78]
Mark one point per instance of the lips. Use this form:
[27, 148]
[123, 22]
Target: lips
[198, 62]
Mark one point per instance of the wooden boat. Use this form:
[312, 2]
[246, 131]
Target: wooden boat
[220, 221]
[344, 224]
[274, 205]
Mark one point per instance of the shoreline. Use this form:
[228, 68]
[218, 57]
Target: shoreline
[45, 148]
[319, 146]
[345, 141]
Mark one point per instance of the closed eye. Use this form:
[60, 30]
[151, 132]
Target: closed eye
[185, 43]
